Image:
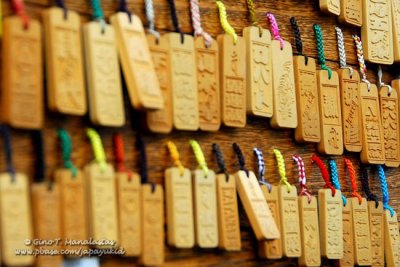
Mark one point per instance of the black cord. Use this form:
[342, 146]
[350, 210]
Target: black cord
[240, 157]
[61, 4]
[8, 150]
[174, 18]
[123, 7]
[297, 38]
[40, 170]
[141, 146]
[365, 184]
[220, 160]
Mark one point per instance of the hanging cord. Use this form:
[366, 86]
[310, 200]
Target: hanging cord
[240, 158]
[381, 83]
[123, 7]
[66, 148]
[352, 174]
[40, 170]
[281, 169]
[385, 190]
[150, 18]
[361, 61]
[261, 168]
[97, 147]
[220, 161]
[275, 29]
[315, 159]
[8, 151]
[365, 185]
[253, 15]
[302, 178]
[175, 20]
[223, 18]
[198, 153]
[173, 151]
[297, 39]
[19, 9]
[61, 4]
[198, 29]
[118, 145]
[141, 146]
[342, 51]
[320, 49]
[98, 14]
[335, 178]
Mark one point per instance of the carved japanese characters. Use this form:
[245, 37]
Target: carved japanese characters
[392, 239]
[377, 229]
[396, 29]
[362, 238]
[348, 235]
[330, 6]
[351, 12]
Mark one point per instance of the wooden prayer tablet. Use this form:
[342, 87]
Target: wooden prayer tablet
[309, 229]
[351, 110]
[22, 81]
[208, 84]
[348, 235]
[228, 214]
[160, 121]
[284, 92]
[152, 225]
[308, 127]
[15, 218]
[351, 12]
[330, 114]
[47, 221]
[106, 105]
[373, 151]
[102, 202]
[74, 221]
[330, 223]
[389, 104]
[232, 60]
[376, 31]
[396, 29]
[258, 71]
[179, 200]
[205, 209]
[392, 240]
[362, 237]
[272, 249]
[377, 233]
[290, 225]
[185, 110]
[256, 206]
[330, 6]
[66, 91]
[136, 62]
[128, 193]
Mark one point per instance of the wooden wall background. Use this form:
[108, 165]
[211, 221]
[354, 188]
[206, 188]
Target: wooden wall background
[256, 134]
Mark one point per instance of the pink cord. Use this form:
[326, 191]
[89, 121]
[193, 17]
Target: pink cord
[275, 29]
[302, 177]
[198, 30]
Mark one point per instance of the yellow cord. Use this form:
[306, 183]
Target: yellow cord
[173, 151]
[198, 153]
[281, 168]
[98, 149]
[223, 18]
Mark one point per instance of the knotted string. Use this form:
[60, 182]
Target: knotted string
[196, 21]
[61, 4]
[315, 159]
[253, 15]
[342, 51]
[275, 29]
[381, 83]
[297, 38]
[240, 158]
[385, 190]
[223, 18]
[149, 9]
[352, 174]
[97, 147]
[220, 160]
[123, 7]
[365, 185]
[175, 20]
[118, 145]
[19, 8]
[320, 49]
[198, 153]
[66, 148]
[281, 168]
[335, 178]
[8, 151]
[141, 147]
[261, 168]
[98, 14]
[361, 61]
[173, 151]
[40, 164]
[302, 177]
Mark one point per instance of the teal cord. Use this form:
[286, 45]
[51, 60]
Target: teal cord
[385, 190]
[98, 14]
[320, 49]
[335, 178]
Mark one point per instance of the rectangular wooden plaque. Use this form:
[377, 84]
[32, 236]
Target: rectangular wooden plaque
[330, 6]
[362, 237]
[377, 233]
[351, 12]
[348, 235]
[392, 239]
[396, 29]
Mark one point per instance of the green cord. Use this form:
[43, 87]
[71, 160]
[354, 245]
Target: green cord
[66, 147]
[98, 14]
[320, 49]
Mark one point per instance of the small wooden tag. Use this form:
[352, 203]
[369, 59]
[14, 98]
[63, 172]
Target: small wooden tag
[64, 62]
[47, 221]
[102, 202]
[348, 235]
[22, 81]
[377, 233]
[376, 31]
[308, 128]
[152, 225]
[178, 193]
[396, 29]
[74, 219]
[160, 121]
[389, 104]
[362, 237]
[330, 114]
[137, 65]
[228, 214]
[15, 218]
[392, 240]
[330, 6]
[373, 151]
[309, 229]
[205, 209]
[331, 223]
[351, 110]
[284, 92]
[232, 80]
[351, 12]
[183, 77]
[106, 105]
[272, 249]
[259, 71]
[128, 193]
[256, 206]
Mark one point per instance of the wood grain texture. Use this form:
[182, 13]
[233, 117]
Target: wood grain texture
[257, 133]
